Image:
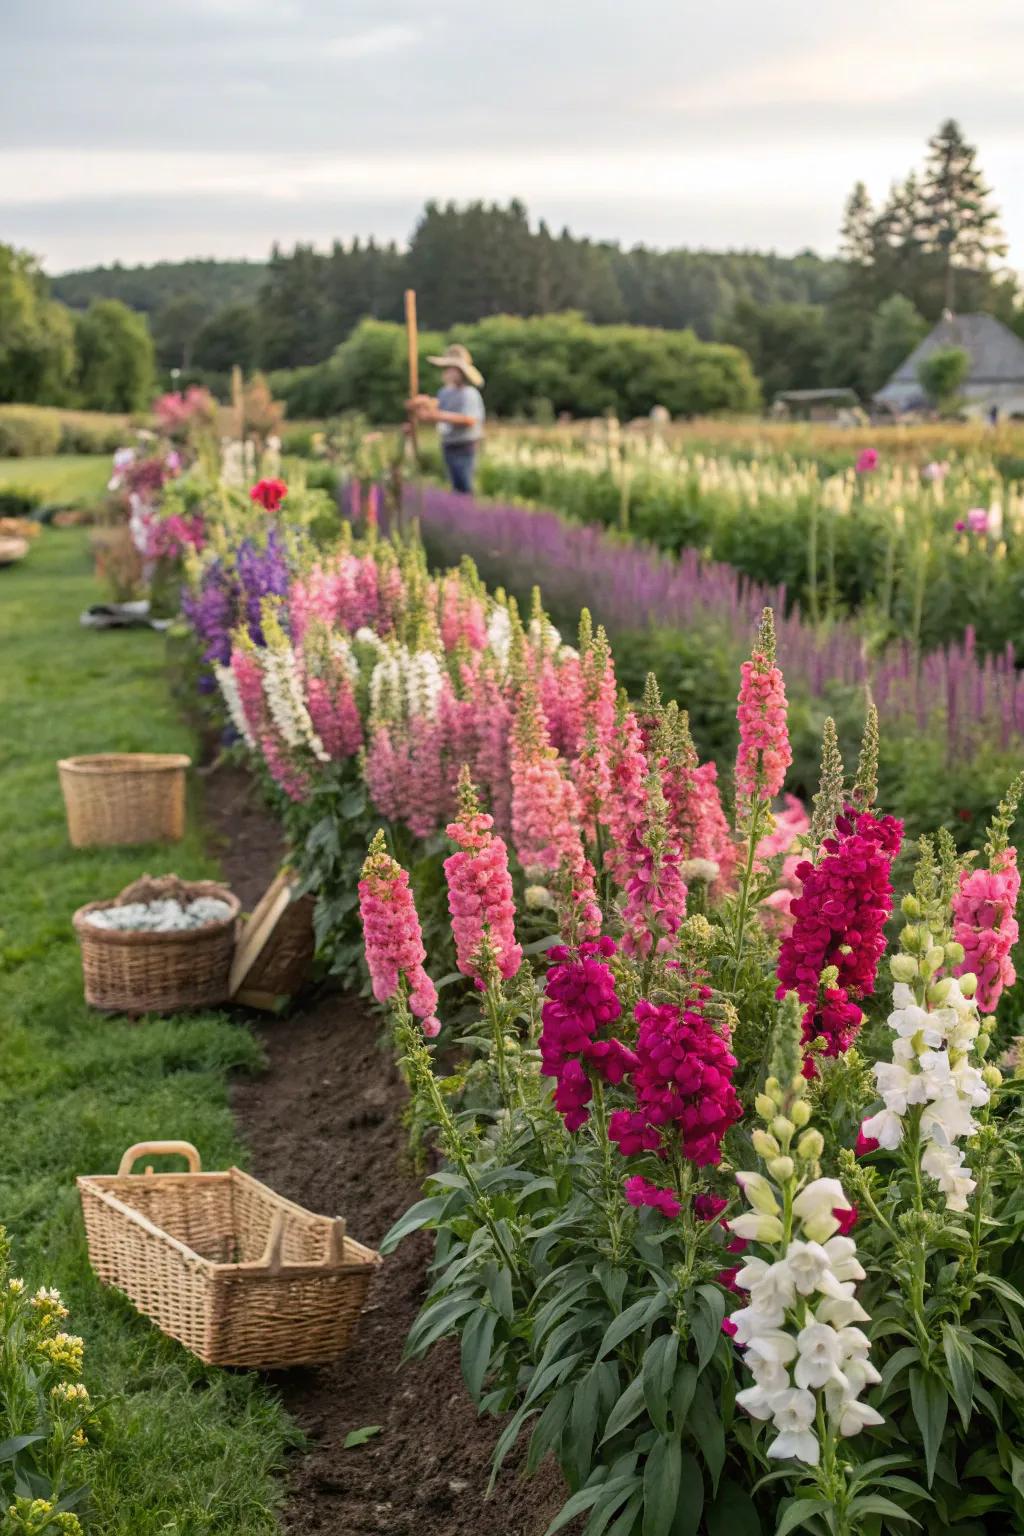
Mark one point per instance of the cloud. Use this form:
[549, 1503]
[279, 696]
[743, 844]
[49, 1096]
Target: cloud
[249, 120]
[363, 45]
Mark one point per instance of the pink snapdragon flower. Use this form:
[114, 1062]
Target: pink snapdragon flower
[480, 889]
[764, 753]
[867, 461]
[625, 805]
[984, 923]
[394, 941]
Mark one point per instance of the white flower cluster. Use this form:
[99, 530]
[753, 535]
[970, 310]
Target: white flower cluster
[229, 693]
[931, 1066]
[282, 688]
[410, 680]
[798, 1330]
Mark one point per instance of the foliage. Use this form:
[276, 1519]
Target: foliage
[28, 433]
[787, 343]
[896, 329]
[36, 335]
[115, 358]
[77, 1088]
[941, 374]
[559, 360]
[45, 1410]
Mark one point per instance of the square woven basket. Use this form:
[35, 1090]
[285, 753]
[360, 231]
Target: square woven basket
[221, 1263]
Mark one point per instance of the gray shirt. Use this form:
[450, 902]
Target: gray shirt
[462, 400]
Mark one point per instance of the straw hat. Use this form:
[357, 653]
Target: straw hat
[460, 357]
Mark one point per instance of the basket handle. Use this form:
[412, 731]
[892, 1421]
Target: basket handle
[159, 1149]
[271, 1260]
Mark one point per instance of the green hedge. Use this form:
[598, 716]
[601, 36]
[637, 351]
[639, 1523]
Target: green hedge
[536, 367]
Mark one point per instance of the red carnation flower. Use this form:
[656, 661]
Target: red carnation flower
[269, 494]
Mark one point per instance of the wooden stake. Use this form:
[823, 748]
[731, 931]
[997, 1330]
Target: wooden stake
[412, 333]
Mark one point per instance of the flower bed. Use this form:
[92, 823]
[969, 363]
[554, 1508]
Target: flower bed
[711, 1208]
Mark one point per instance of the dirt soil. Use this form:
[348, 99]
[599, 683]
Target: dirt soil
[324, 1127]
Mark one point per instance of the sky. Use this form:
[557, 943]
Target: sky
[138, 131]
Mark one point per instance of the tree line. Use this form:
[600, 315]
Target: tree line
[803, 321]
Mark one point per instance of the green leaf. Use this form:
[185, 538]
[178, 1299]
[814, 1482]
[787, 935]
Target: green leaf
[11, 1448]
[626, 1409]
[658, 1371]
[501, 1293]
[683, 1388]
[875, 1504]
[908, 1355]
[436, 1321]
[956, 1344]
[798, 1514]
[626, 1523]
[661, 1486]
[542, 1379]
[548, 1427]
[475, 1353]
[706, 1322]
[642, 1312]
[360, 1436]
[708, 1430]
[585, 1499]
[690, 1503]
[583, 1422]
[733, 1513]
[929, 1400]
[417, 1216]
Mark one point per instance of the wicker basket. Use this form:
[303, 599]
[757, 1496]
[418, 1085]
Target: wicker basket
[114, 798]
[219, 1262]
[138, 973]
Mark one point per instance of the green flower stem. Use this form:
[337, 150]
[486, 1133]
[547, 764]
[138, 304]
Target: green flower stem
[422, 1073]
[757, 816]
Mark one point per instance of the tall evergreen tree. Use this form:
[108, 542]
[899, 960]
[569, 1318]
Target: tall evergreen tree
[959, 223]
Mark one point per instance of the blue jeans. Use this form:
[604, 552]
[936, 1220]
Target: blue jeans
[460, 462]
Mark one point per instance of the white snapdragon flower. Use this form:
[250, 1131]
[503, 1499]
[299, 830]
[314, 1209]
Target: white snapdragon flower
[931, 1066]
[819, 1355]
[793, 1415]
[282, 688]
[814, 1206]
[228, 686]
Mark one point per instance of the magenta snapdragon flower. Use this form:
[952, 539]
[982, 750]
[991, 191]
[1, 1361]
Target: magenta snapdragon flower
[839, 920]
[580, 1006]
[682, 1083]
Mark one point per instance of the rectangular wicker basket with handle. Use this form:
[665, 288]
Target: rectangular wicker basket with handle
[219, 1262]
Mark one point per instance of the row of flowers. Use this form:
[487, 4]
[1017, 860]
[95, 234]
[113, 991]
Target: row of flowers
[691, 1094]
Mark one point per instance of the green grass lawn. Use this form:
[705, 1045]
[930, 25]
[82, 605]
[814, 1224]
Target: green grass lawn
[61, 477]
[184, 1450]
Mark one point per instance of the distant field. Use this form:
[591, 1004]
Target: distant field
[59, 477]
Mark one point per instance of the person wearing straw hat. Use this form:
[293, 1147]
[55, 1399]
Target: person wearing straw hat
[459, 414]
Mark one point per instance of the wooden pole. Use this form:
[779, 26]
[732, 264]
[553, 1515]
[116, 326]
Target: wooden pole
[412, 333]
[413, 341]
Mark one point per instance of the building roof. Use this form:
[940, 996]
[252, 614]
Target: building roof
[997, 355]
[807, 396]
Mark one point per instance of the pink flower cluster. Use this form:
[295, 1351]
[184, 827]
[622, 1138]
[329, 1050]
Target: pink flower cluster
[655, 897]
[764, 752]
[580, 1003]
[839, 920]
[394, 941]
[480, 896]
[791, 825]
[335, 714]
[683, 1085]
[984, 923]
[867, 461]
[175, 412]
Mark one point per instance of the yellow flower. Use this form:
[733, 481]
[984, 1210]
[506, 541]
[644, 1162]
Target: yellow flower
[64, 1350]
[16, 1287]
